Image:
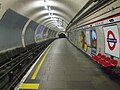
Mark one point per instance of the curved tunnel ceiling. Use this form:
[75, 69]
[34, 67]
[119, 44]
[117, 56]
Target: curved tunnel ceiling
[34, 9]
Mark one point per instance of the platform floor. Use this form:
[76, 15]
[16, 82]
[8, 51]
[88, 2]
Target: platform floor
[64, 67]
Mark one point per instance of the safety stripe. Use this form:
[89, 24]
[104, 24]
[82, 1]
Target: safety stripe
[40, 64]
[30, 86]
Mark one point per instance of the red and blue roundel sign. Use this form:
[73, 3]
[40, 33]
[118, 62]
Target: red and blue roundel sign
[111, 40]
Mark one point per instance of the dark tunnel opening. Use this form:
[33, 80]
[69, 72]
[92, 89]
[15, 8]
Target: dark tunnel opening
[62, 35]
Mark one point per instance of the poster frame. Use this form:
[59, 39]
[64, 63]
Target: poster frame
[104, 39]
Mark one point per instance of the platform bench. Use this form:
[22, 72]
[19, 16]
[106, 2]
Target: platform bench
[104, 60]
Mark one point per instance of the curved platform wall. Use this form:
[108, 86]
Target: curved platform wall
[43, 33]
[99, 32]
[30, 33]
[103, 39]
[11, 26]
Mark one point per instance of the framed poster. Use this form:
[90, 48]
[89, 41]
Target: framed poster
[39, 32]
[77, 38]
[88, 38]
[111, 36]
[93, 41]
[83, 43]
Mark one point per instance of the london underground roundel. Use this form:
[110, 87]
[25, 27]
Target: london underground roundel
[111, 40]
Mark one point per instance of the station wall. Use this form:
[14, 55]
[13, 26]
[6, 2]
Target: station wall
[30, 33]
[99, 31]
[12, 25]
[98, 39]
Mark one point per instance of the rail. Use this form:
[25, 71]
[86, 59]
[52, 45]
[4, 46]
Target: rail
[16, 68]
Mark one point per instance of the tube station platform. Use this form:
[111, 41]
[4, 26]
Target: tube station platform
[63, 67]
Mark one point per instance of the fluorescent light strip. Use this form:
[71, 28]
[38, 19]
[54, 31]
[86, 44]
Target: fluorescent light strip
[45, 4]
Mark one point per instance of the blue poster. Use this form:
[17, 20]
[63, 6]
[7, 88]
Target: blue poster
[39, 32]
[93, 42]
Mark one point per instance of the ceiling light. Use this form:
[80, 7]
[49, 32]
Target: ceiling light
[60, 27]
[49, 8]
[50, 14]
[45, 4]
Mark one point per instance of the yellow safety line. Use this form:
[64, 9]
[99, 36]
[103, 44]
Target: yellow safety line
[29, 86]
[39, 66]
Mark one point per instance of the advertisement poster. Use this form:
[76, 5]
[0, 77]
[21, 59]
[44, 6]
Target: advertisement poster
[79, 40]
[72, 37]
[39, 32]
[93, 42]
[88, 39]
[45, 33]
[111, 40]
[49, 33]
[75, 37]
[83, 43]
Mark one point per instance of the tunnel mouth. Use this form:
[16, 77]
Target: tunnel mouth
[62, 35]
